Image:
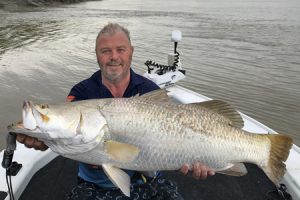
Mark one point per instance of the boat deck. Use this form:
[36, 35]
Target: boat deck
[56, 179]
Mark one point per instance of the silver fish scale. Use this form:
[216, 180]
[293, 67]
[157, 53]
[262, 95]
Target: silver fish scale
[169, 136]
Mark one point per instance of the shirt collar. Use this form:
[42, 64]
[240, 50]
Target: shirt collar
[135, 80]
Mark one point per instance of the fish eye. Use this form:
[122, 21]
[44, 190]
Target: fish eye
[43, 106]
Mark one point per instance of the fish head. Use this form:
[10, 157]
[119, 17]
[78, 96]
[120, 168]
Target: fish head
[62, 124]
[55, 121]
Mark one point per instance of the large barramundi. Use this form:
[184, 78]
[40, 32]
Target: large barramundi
[145, 133]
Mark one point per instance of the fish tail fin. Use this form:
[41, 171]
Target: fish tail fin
[280, 148]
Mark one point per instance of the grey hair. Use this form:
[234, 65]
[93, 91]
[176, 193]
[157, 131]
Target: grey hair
[113, 28]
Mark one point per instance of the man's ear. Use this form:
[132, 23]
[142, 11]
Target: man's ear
[132, 49]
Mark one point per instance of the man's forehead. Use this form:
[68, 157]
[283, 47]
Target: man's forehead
[115, 37]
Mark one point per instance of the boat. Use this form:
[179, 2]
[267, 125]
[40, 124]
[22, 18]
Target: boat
[45, 175]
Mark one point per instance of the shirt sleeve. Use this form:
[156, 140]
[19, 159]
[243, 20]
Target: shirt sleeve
[77, 93]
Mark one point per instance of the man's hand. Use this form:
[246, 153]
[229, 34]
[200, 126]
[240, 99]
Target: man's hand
[31, 142]
[200, 171]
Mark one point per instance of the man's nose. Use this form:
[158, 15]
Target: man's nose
[114, 55]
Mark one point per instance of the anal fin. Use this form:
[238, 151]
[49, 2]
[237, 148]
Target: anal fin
[119, 178]
[237, 169]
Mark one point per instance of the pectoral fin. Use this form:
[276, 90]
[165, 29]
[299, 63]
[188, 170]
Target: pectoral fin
[121, 151]
[238, 169]
[118, 177]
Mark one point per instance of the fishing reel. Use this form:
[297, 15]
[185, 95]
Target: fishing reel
[9, 151]
[7, 163]
[12, 168]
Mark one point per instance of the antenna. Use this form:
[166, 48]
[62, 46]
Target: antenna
[176, 37]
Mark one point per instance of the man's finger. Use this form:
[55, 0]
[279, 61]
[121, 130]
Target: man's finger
[203, 173]
[29, 142]
[184, 169]
[196, 170]
[39, 145]
[211, 173]
[21, 138]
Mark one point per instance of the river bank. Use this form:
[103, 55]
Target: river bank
[18, 5]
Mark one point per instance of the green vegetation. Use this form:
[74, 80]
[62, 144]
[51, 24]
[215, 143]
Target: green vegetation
[22, 4]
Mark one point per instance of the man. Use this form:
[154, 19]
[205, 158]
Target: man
[116, 79]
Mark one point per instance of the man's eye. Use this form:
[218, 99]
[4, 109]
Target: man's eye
[105, 51]
[120, 50]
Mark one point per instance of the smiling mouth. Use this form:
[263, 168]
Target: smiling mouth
[115, 65]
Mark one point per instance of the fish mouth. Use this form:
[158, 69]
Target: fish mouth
[19, 128]
[28, 116]
[15, 126]
[28, 122]
[28, 125]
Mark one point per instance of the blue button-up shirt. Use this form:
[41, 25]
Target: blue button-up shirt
[92, 88]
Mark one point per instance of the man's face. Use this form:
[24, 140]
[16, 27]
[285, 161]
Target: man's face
[114, 55]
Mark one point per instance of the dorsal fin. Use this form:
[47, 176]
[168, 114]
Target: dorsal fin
[225, 110]
[159, 96]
